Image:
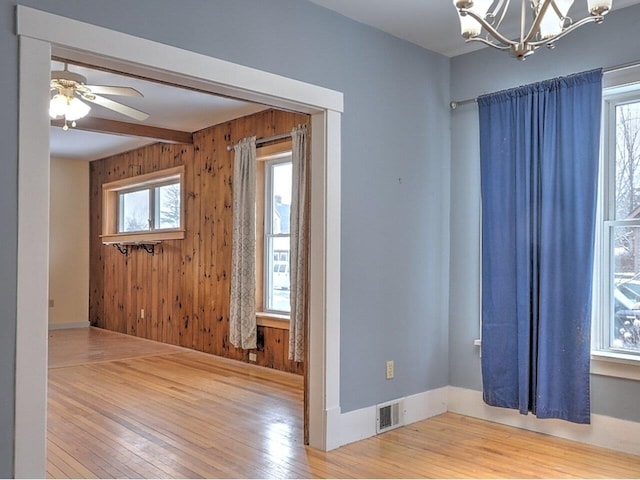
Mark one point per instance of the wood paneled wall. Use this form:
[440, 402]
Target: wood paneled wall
[184, 287]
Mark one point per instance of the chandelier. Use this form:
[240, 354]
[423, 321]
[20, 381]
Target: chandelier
[550, 21]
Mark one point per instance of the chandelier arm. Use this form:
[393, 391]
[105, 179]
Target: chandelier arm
[523, 19]
[499, 8]
[487, 42]
[538, 20]
[555, 7]
[487, 26]
[567, 31]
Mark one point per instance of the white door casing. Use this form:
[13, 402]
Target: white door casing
[42, 35]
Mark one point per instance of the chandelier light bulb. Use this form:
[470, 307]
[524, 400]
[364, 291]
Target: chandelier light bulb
[551, 24]
[599, 7]
[469, 26]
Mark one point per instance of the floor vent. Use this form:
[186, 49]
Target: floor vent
[389, 416]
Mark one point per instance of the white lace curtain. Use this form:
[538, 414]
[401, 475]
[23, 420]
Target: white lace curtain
[242, 318]
[299, 243]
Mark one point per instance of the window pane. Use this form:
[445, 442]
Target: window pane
[277, 284]
[280, 197]
[627, 176]
[625, 327]
[134, 211]
[168, 205]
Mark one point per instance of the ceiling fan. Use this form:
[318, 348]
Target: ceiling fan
[71, 89]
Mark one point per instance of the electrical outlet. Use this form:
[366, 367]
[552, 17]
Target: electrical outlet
[51, 303]
[142, 313]
[253, 357]
[390, 369]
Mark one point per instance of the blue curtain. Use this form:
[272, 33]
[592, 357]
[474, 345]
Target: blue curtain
[539, 147]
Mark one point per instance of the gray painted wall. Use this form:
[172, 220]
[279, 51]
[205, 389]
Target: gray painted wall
[395, 174]
[612, 43]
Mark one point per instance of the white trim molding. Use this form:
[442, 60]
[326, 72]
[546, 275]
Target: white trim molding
[182, 67]
[360, 424]
[33, 262]
[69, 325]
[43, 34]
[604, 431]
[611, 364]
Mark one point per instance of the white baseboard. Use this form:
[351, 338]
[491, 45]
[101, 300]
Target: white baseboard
[333, 428]
[62, 326]
[360, 424]
[607, 432]
[604, 431]
[357, 425]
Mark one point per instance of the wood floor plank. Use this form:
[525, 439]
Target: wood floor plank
[137, 410]
[80, 346]
[109, 440]
[64, 460]
[54, 472]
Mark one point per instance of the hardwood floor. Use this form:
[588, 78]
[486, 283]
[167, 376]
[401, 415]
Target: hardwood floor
[79, 346]
[166, 414]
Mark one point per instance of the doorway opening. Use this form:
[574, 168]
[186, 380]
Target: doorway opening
[175, 291]
[42, 34]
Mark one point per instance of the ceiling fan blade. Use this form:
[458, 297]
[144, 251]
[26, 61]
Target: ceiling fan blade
[112, 90]
[116, 106]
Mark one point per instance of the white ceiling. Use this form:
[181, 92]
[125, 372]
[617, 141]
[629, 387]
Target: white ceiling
[432, 24]
[168, 107]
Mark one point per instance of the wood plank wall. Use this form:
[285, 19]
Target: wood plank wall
[184, 287]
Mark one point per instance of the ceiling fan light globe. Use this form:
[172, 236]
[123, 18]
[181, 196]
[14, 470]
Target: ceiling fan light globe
[76, 109]
[57, 106]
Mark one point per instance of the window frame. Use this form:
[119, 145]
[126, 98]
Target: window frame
[268, 266]
[602, 351]
[111, 208]
[265, 157]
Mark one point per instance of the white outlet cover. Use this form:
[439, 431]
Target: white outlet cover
[390, 369]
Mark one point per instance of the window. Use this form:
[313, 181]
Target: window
[619, 332]
[155, 207]
[145, 208]
[273, 211]
[277, 213]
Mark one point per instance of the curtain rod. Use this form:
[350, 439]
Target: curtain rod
[455, 104]
[266, 140]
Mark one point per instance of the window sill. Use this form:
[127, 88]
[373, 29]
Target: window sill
[272, 320]
[142, 237]
[618, 365]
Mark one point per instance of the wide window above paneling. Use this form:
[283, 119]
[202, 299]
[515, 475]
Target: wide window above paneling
[145, 208]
